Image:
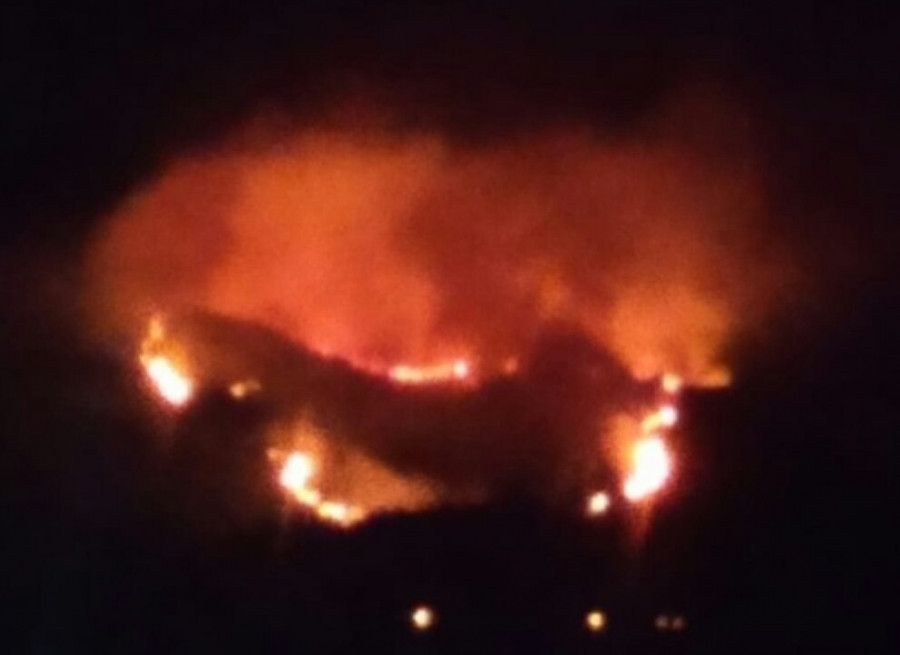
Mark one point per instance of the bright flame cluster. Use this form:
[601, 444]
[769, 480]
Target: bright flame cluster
[651, 461]
[459, 370]
[171, 383]
[296, 477]
[652, 468]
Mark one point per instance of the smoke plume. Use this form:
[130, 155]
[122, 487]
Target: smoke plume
[380, 247]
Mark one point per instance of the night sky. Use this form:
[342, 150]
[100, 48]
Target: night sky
[776, 537]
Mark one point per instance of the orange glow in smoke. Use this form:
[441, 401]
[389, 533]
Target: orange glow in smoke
[244, 388]
[671, 383]
[651, 468]
[456, 371]
[296, 477]
[598, 503]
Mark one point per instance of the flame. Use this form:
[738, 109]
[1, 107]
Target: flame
[459, 370]
[340, 513]
[652, 466]
[297, 472]
[638, 446]
[171, 383]
[296, 477]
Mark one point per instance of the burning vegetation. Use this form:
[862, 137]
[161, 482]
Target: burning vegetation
[297, 473]
[418, 287]
[367, 473]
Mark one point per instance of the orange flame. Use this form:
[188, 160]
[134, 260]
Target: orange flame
[296, 477]
[456, 371]
[652, 466]
[171, 383]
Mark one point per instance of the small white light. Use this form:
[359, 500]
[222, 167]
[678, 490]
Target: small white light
[422, 618]
[598, 503]
[595, 621]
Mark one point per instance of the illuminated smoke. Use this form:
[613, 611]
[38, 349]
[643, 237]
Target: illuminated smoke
[416, 277]
[339, 485]
[244, 388]
[409, 252]
[671, 383]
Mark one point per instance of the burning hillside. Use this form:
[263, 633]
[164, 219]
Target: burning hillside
[469, 320]
[345, 442]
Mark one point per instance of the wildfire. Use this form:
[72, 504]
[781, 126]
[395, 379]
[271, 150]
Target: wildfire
[170, 382]
[458, 370]
[652, 466]
[296, 477]
[244, 388]
[650, 459]
[173, 385]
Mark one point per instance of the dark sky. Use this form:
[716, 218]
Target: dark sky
[779, 542]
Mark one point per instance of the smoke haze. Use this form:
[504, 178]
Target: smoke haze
[383, 247]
